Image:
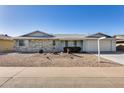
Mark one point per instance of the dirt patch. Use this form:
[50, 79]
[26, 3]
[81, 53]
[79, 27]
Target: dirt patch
[54, 60]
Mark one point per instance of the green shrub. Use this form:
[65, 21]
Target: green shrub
[41, 51]
[72, 49]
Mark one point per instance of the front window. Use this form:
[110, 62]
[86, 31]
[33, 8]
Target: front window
[21, 43]
[81, 42]
[75, 43]
[66, 43]
[54, 43]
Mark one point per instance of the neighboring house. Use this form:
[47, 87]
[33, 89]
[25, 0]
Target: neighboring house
[35, 41]
[119, 42]
[119, 39]
[6, 43]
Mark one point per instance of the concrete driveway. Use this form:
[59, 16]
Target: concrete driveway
[118, 57]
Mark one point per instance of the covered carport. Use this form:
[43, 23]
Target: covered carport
[106, 45]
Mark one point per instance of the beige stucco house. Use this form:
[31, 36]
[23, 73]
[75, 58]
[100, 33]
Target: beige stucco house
[6, 43]
[37, 40]
[119, 42]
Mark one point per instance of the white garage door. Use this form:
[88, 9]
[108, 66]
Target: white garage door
[105, 45]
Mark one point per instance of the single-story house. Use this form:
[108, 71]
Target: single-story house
[119, 39]
[119, 42]
[6, 43]
[37, 40]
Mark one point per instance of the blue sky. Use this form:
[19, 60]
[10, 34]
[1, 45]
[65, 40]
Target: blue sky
[19, 20]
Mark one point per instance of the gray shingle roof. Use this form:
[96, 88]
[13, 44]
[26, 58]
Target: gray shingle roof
[26, 35]
[65, 36]
[98, 35]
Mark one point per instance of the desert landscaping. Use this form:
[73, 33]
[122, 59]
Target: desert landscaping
[53, 60]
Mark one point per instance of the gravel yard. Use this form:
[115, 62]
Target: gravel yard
[53, 60]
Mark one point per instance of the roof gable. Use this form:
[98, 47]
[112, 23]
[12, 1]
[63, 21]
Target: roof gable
[37, 34]
[98, 35]
[5, 37]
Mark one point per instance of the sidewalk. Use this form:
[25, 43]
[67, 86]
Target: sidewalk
[61, 77]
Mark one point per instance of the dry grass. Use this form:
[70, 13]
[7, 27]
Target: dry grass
[53, 60]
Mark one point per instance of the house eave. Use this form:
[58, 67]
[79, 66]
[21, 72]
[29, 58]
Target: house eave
[56, 38]
[32, 38]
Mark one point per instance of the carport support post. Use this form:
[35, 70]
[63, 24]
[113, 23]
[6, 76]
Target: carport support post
[98, 50]
[98, 41]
